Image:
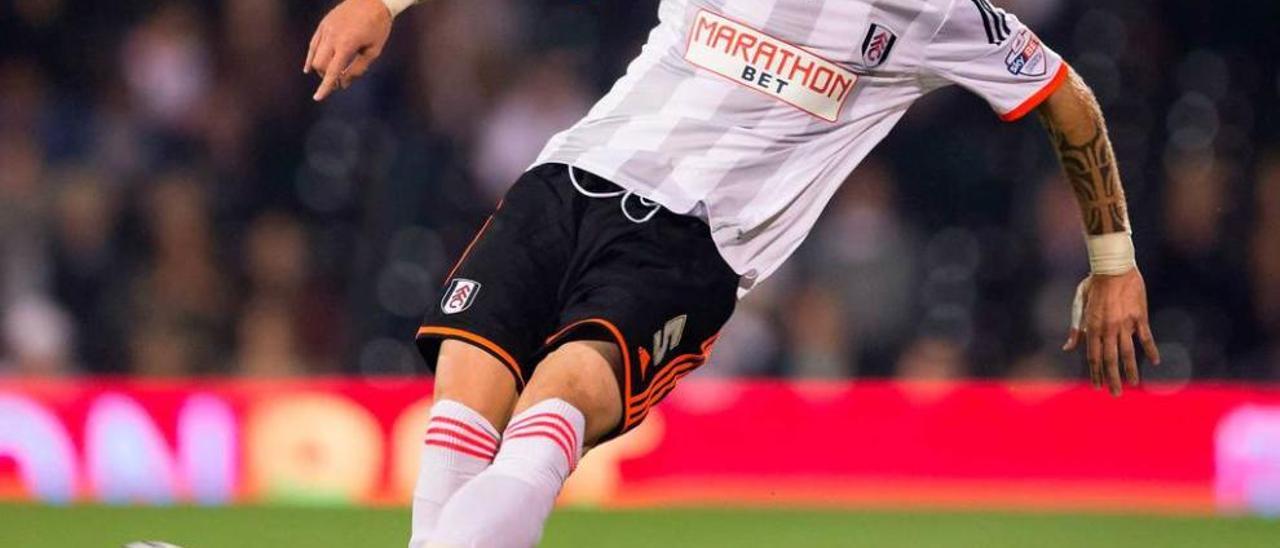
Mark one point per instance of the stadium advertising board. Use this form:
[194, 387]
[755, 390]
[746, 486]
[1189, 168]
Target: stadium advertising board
[1195, 449]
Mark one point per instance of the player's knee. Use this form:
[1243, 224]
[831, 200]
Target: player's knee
[470, 376]
[581, 373]
[583, 369]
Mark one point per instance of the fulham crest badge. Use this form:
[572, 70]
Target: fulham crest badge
[877, 46]
[459, 295]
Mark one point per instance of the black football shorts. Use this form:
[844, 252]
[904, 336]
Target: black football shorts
[553, 265]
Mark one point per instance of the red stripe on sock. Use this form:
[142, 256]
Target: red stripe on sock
[567, 435]
[564, 425]
[467, 427]
[480, 445]
[550, 429]
[523, 420]
[460, 449]
[544, 434]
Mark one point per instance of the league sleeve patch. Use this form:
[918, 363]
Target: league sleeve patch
[1026, 55]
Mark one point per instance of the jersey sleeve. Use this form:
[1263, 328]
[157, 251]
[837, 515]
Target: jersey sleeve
[991, 53]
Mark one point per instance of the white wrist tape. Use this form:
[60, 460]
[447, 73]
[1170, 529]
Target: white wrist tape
[397, 6]
[1111, 254]
[1077, 304]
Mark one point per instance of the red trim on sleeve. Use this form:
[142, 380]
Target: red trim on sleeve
[1035, 100]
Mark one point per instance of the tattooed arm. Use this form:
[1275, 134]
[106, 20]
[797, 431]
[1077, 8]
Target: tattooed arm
[1074, 121]
[1114, 295]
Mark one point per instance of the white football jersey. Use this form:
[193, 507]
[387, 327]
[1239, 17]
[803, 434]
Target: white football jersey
[751, 113]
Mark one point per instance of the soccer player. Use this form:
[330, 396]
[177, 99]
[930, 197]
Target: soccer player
[606, 272]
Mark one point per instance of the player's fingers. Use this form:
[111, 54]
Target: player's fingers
[1129, 357]
[311, 50]
[1093, 341]
[1148, 342]
[357, 69]
[324, 54]
[1073, 340]
[1078, 302]
[333, 70]
[326, 85]
[1077, 314]
[1111, 361]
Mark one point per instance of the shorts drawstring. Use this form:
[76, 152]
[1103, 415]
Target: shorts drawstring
[653, 206]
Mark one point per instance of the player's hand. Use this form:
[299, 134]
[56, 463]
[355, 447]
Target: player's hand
[1112, 309]
[348, 39]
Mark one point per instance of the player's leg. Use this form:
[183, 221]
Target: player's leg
[474, 395]
[494, 313]
[582, 374]
[571, 402]
[472, 377]
[642, 302]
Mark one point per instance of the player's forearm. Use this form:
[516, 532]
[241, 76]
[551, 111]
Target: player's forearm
[1079, 135]
[1078, 131]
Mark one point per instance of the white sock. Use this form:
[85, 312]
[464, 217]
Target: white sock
[460, 443]
[507, 504]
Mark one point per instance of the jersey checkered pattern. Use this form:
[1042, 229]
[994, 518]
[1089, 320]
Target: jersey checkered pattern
[751, 113]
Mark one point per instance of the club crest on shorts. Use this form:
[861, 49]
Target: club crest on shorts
[877, 46]
[459, 295]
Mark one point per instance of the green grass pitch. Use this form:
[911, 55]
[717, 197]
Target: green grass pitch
[288, 527]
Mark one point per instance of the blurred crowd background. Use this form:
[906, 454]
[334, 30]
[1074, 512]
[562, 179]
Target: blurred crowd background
[172, 202]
